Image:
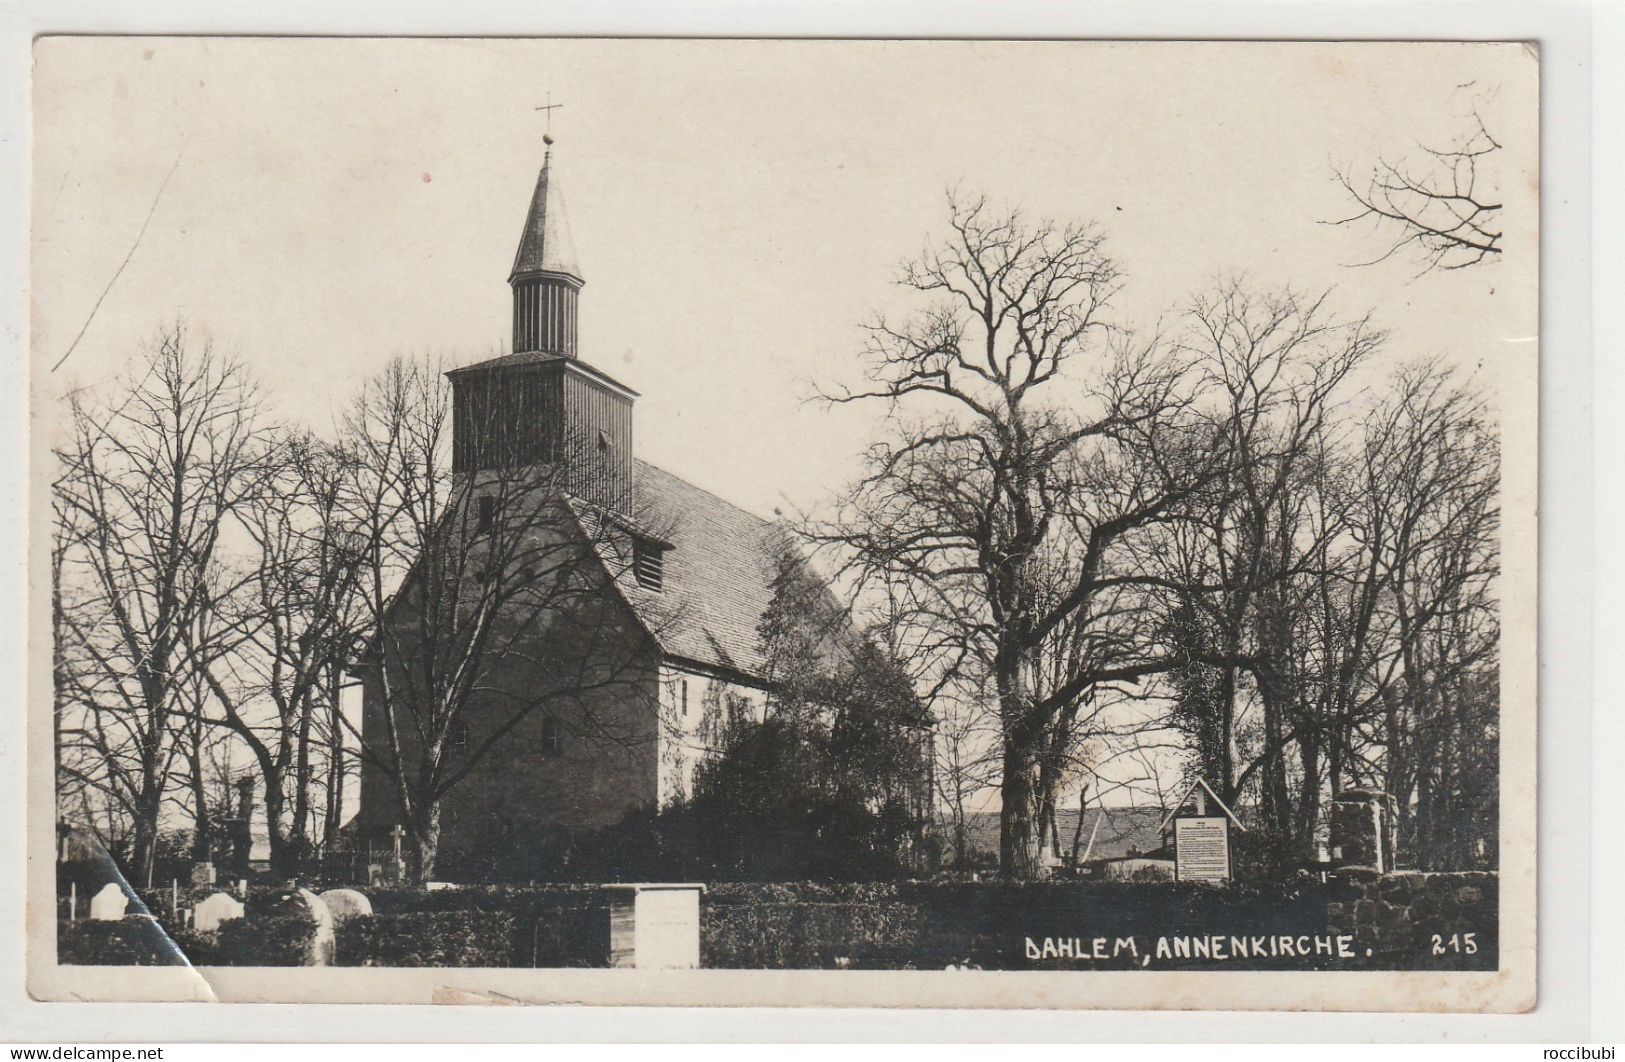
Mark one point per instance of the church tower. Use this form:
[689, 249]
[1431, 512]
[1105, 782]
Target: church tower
[542, 404]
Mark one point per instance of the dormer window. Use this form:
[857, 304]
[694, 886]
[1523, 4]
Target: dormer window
[648, 564]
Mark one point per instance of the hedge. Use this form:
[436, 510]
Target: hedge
[553, 925]
[132, 941]
[809, 935]
[438, 938]
[271, 938]
[925, 925]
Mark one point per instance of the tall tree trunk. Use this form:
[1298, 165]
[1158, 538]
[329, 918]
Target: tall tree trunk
[144, 849]
[333, 820]
[1021, 750]
[1274, 799]
[283, 861]
[1016, 855]
[1308, 794]
[1226, 705]
[426, 842]
[299, 841]
[202, 829]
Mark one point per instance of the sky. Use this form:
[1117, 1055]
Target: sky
[739, 208]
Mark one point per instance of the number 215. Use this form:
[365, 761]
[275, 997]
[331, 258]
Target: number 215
[1460, 943]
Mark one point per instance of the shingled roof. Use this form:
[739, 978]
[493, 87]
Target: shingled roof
[545, 245]
[717, 577]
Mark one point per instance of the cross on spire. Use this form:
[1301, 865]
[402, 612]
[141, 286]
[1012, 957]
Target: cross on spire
[548, 110]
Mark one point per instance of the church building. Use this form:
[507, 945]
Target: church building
[681, 580]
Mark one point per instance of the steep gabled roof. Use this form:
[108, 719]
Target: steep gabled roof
[717, 578]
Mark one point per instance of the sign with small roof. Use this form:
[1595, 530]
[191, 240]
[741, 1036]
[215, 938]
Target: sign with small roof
[1201, 840]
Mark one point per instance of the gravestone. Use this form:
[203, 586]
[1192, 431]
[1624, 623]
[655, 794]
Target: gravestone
[202, 875]
[109, 904]
[395, 865]
[214, 909]
[655, 926]
[346, 904]
[321, 942]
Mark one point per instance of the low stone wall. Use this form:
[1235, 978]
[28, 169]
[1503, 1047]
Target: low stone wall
[1422, 920]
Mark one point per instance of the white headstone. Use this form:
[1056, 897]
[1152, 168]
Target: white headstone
[214, 909]
[109, 904]
[321, 944]
[347, 903]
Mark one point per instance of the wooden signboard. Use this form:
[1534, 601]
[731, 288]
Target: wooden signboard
[1202, 848]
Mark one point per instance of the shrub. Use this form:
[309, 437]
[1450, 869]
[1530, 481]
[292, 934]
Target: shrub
[133, 941]
[553, 925]
[200, 949]
[440, 938]
[568, 936]
[268, 938]
[809, 935]
[757, 892]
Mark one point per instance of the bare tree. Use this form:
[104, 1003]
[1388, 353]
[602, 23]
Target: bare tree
[998, 510]
[148, 489]
[1249, 552]
[1443, 207]
[1428, 523]
[296, 618]
[486, 596]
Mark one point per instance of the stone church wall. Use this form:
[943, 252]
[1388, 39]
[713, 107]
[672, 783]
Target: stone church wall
[693, 707]
[584, 753]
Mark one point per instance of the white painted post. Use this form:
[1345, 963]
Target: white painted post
[655, 926]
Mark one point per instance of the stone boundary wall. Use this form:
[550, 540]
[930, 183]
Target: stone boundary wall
[1425, 920]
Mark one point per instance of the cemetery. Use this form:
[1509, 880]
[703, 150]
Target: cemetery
[1209, 908]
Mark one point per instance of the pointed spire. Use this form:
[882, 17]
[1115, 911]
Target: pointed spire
[545, 245]
[545, 278]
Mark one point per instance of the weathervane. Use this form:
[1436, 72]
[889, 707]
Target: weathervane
[548, 109]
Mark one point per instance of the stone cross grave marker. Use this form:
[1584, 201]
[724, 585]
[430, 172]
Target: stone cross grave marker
[214, 909]
[109, 904]
[395, 866]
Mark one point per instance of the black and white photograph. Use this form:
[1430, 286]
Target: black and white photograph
[725, 522]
